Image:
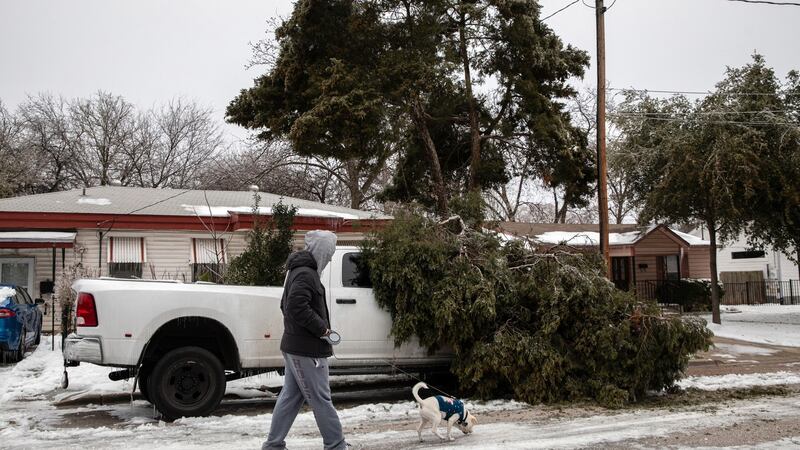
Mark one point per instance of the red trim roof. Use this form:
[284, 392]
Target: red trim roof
[236, 221]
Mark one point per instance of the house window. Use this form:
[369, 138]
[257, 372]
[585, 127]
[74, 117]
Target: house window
[125, 257]
[17, 272]
[671, 267]
[749, 254]
[208, 260]
[354, 271]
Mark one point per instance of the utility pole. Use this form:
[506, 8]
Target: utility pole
[602, 169]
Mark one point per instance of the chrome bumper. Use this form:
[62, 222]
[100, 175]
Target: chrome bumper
[83, 349]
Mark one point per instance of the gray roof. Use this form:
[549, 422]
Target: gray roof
[167, 202]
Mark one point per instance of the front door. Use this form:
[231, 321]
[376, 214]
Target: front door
[621, 272]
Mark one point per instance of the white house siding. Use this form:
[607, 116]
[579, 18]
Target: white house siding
[774, 265]
[167, 255]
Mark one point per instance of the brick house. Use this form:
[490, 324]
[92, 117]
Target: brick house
[641, 257]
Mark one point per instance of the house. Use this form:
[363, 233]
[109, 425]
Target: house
[755, 275]
[144, 233]
[738, 256]
[641, 257]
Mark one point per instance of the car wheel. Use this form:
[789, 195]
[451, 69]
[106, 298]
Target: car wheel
[144, 378]
[20, 353]
[186, 382]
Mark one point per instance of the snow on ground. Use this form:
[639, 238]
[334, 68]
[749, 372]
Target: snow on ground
[739, 381]
[765, 324]
[29, 418]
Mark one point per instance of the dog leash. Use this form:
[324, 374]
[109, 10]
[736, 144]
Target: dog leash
[334, 339]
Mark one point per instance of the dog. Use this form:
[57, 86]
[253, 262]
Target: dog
[453, 412]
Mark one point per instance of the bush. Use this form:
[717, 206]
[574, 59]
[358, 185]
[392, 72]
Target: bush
[692, 295]
[66, 296]
[263, 262]
[541, 327]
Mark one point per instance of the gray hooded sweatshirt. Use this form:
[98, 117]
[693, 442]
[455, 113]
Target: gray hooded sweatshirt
[321, 244]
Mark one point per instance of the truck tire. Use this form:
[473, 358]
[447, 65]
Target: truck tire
[186, 382]
[144, 378]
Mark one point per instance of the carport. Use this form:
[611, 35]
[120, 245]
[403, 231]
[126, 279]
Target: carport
[26, 254]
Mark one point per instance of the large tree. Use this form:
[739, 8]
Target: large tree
[444, 83]
[322, 91]
[774, 107]
[724, 161]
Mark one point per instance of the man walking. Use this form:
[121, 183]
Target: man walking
[305, 321]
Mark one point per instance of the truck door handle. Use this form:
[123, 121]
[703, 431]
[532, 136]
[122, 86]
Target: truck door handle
[346, 301]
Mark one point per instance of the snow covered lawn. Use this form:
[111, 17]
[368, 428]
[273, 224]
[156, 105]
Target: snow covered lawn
[767, 324]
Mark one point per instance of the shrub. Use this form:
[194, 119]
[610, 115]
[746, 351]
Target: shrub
[692, 295]
[542, 327]
[263, 262]
[66, 296]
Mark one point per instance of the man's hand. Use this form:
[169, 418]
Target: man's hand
[326, 333]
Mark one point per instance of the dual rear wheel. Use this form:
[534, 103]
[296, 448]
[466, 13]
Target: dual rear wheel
[185, 382]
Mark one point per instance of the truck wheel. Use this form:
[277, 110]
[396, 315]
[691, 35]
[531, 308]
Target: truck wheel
[186, 382]
[144, 378]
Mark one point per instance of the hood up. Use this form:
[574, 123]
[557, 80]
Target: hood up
[321, 244]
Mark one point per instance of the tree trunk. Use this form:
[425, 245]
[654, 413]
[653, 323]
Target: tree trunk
[439, 188]
[474, 127]
[353, 186]
[712, 236]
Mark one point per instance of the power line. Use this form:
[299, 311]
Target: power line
[767, 2]
[158, 202]
[730, 122]
[765, 111]
[562, 9]
[657, 91]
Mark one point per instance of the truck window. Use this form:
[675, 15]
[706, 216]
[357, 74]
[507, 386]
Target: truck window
[354, 272]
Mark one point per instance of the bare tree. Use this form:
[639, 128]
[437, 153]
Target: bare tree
[104, 131]
[13, 171]
[621, 197]
[171, 144]
[47, 137]
[277, 169]
[583, 110]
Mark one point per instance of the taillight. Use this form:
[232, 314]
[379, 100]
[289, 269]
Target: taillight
[86, 311]
[6, 313]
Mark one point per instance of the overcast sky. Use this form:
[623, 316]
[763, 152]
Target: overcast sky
[152, 50]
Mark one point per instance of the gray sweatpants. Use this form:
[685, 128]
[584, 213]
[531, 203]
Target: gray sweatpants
[306, 380]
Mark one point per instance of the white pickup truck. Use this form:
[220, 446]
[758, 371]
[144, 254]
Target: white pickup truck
[182, 341]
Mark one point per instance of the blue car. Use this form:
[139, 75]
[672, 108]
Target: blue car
[20, 322]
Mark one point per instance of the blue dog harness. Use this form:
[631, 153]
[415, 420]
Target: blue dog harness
[450, 407]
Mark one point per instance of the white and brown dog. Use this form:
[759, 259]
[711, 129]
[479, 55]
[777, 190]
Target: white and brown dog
[435, 409]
